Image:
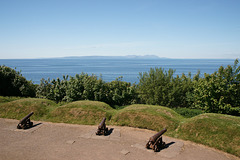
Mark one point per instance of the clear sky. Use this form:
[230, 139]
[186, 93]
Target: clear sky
[166, 28]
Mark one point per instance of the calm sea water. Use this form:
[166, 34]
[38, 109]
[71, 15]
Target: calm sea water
[109, 69]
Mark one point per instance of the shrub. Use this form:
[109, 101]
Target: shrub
[87, 87]
[220, 91]
[120, 93]
[188, 112]
[159, 87]
[14, 84]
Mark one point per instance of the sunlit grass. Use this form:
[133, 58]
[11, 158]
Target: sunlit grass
[149, 117]
[214, 130]
[20, 108]
[81, 112]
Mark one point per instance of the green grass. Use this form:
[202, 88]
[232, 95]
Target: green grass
[8, 99]
[214, 130]
[188, 112]
[149, 117]
[20, 108]
[82, 112]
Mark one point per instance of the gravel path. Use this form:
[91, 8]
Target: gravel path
[60, 141]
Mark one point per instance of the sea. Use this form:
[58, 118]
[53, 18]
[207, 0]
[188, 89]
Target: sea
[109, 68]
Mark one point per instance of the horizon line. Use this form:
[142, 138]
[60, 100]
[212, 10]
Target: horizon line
[126, 56]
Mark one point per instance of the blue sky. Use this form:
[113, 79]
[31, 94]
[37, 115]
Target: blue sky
[166, 28]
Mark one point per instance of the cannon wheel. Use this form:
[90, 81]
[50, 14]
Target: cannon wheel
[163, 145]
[155, 148]
[148, 145]
[105, 131]
[18, 126]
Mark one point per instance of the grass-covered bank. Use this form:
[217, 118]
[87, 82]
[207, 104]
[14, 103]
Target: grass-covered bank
[81, 112]
[214, 130]
[149, 117]
[17, 109]
[8, 99]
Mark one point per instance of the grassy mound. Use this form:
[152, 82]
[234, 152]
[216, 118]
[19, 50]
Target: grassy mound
[20, 108]
[82, 112]
[214, 130]
[8, 99]
[149, 117]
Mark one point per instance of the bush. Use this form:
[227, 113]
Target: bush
[120, 93]
[53, 90]
[159, 87]
[87, 87]
[188, 112]
[14, 84]
[220, 91]
[215, 93]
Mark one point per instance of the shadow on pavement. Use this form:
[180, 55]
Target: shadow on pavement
[109, 132]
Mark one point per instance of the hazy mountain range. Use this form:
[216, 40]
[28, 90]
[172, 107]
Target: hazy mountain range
[116, 57]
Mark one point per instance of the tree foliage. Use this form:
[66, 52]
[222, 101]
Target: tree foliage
[120, 93]
[12, 83]
[160, 87]
[87, 87]
[220, 91]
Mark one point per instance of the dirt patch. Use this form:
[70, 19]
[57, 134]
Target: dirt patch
[165, 112]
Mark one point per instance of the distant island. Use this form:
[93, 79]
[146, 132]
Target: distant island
[116, 57]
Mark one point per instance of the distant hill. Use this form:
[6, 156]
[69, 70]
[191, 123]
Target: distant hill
[115, 57]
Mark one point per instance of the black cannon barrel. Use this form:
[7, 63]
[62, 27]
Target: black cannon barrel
[26, 118]
[102, 123]
[155, 137]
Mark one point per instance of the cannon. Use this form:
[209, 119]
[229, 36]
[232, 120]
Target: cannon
[25, 123]
[155, 142]
[102, 129]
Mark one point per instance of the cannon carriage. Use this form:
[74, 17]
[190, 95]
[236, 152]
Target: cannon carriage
[155, 142]
[102, 129]
[25, 123]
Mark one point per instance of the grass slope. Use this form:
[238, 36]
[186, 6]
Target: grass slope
[214, 130]
[149, 117]
[82, 112]
[20, 108]
[8, 99]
